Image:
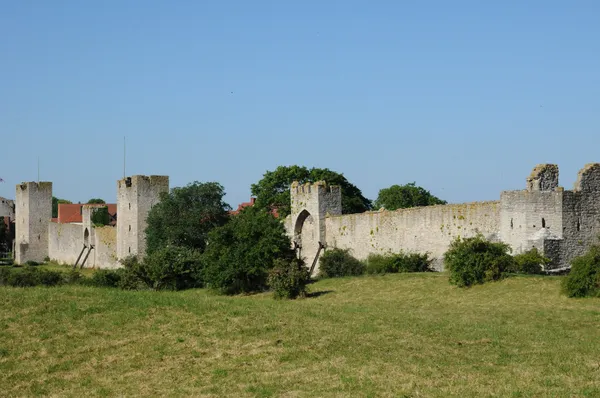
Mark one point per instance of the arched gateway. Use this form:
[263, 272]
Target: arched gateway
[311, 203]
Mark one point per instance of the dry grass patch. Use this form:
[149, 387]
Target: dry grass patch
[391, 335]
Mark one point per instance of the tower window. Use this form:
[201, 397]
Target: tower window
[543, 223]
[579, 224]
[129, 227]
[511, 223]
[130, 250]
[130, 206]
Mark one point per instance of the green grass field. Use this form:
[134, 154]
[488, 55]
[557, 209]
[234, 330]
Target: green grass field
[397, 335]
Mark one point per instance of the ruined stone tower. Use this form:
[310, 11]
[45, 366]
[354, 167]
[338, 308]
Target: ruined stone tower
[310, 205]
[136, 195]
[33, 214]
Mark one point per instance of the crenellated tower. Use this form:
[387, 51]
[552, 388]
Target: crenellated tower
[136, 195]
[33, 211]
[310, 205]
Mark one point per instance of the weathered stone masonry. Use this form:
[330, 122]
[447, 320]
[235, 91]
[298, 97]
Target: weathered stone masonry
[562, 224]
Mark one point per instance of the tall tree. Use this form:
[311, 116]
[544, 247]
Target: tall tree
[273, 190]
[241, 253]
[185, 215]
[404, 196]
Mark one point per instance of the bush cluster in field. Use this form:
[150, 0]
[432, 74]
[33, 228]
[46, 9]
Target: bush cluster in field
[584, 278]
[33, 275]
[339, 262]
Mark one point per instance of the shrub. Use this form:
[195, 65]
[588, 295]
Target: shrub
[413, 262]
[476, 260]
[49, 278]
[132, 275]
[130, 281]
[32, 263]
[240, 254]
[584, 278]
[529, 262]
[169, 268]
[339, 262]
[288, 279]
[106, 278]
[24, 277]
[72, 276]
[399, 262]
[380, 264]
[29, 276]
[4, 275]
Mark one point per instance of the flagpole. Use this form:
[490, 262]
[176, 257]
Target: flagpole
[124, 156]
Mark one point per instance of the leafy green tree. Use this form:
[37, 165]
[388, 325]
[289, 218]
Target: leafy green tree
[96, 201]
[241, 253]
[273, 190]
[185, 215]
[100, 216]
[55, 202]
[404, 196]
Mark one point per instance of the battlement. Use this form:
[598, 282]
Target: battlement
[588, 178]
[143, 180]
[544, 177]
[37, 186]
[317, 187]
[33, 211]
[136, 195]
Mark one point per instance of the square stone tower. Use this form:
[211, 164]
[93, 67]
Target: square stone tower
[33, 211]
[136, 195]
[310, 205]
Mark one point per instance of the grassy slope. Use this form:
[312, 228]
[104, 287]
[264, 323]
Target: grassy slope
[392, 335]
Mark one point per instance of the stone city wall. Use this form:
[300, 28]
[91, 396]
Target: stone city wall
[65, 242]
[420, 229]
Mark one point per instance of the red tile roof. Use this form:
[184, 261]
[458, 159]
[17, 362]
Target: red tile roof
[70, 213]
[251, 203]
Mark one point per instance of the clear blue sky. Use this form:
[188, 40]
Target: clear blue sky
[463, 97]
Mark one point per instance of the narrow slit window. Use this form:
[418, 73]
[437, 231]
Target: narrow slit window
[578, 224]
[543, 223]
[511, 224]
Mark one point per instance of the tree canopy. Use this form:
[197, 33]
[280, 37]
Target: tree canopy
[241, 253]
[100, 216]
[273, 190]
[404, 196]
[185, 215]
[96, 201]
